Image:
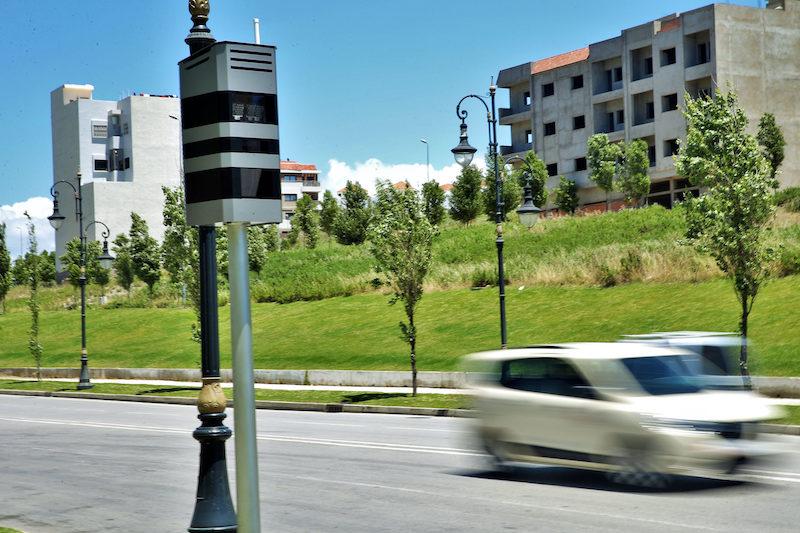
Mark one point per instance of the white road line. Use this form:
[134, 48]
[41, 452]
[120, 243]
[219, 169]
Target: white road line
[775, 478]
[771, 472]
[493, 501]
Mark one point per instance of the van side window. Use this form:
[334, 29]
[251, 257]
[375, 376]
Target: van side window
[547, 376]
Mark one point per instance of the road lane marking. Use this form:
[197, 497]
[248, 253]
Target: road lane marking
[770, 472]
[493, 501]
[788, 479]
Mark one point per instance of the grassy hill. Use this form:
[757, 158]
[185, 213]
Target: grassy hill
[572, 279]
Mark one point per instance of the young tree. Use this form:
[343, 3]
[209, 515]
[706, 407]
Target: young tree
[179, 251]
[433, 199]
[71, 261]
[305, 221]
[567, 195]
[402, 239]
[19, 271]
[537, 170]
[123, 263]
[327, 216]
[770, 137]
[261, 241]
[5, 267]
[510, 191]
[602, 158]
[633, 181]
[47, 267]
[730, 219]
[32, 271]
[353, 219]
[465, 199]
[145, 253]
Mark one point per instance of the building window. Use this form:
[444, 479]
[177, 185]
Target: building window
[670, 147]
[126, 129]
[580, 164]
[289, 197]
[668, 57]
[648, 66]
[659, 186]
[528, 136]
[289, 179]
[669, 102]
[579, 122]
[526, 98]
[552, 169]
[577, 82]
[549, 129]
[650, 111]
[620, 118]
[127, 163]
[100, 165]
[651, 155]
[702, 53]
[100, 130]
[617, 74]
[288, 216]
[548, 89]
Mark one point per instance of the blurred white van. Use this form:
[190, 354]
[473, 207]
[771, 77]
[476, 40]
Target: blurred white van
[631, 409]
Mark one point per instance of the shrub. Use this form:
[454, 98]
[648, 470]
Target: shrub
[789, 262]
[631, 266]
[789, 198]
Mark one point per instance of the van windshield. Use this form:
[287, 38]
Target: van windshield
[662, 375]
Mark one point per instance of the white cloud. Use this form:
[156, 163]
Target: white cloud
[339, 172]
[39, 208]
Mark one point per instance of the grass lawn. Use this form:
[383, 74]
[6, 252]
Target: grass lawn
[440, 401]
[9, 530]
[360, 332]
[792, 415]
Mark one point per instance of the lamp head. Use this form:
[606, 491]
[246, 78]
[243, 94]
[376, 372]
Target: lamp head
[105, 258]
[463, 153]
[56, 219]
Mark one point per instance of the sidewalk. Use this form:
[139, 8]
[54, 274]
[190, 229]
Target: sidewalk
[268, 386]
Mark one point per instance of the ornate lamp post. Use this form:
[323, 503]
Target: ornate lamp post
[213, 510]
[463, 154]
[56, 220]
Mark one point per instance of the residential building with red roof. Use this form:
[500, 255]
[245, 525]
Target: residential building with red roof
[633, 86]
[297, 179]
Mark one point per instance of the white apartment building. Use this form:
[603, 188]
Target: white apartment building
[632, 87]
[125, 151]
[297, 179]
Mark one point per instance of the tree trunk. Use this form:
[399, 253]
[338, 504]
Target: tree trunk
[743, 369]
[412, 340]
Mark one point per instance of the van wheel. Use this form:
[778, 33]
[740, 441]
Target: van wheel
[496, 460]
[636, 469]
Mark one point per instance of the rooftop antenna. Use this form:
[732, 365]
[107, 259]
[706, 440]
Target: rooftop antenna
[257, 30]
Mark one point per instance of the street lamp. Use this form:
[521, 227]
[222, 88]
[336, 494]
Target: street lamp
[57, 220]
[528, 212]
[463, 154]
[427, 159]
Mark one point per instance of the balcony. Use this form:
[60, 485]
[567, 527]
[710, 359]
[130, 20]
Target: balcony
[516, 149]
[508, 115]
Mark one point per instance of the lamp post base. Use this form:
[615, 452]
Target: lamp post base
[84, 382]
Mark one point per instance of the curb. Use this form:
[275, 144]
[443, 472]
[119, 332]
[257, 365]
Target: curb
[260, 404]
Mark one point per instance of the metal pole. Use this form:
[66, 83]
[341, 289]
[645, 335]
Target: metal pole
[498, 218]
[244, 421]
[83, 382]
[213, 509]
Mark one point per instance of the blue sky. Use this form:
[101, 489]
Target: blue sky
[360, 81]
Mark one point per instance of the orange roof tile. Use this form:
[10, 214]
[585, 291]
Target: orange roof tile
[561, 60]
[402, 185]
[446, 187]
[294, 165]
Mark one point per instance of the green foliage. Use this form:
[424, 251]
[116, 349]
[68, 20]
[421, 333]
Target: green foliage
[730, 219]
[602, 158]
[567, 195]
[261, 241]
[433, 200]
[328, 213]
[71, 262]
[179, 251]
[34, 347]
[401, 242]
[633, 181]
[537, 170]
[789, 198]
[19, 271]
[510, 191]
[465, 199]
[47, 267]
[145, 253]
[789, 261]
[352, 221]
[770, 138]
[5, 267]
[305, 222]
[123, 263]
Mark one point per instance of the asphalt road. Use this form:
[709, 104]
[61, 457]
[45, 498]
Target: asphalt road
[96, 466]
